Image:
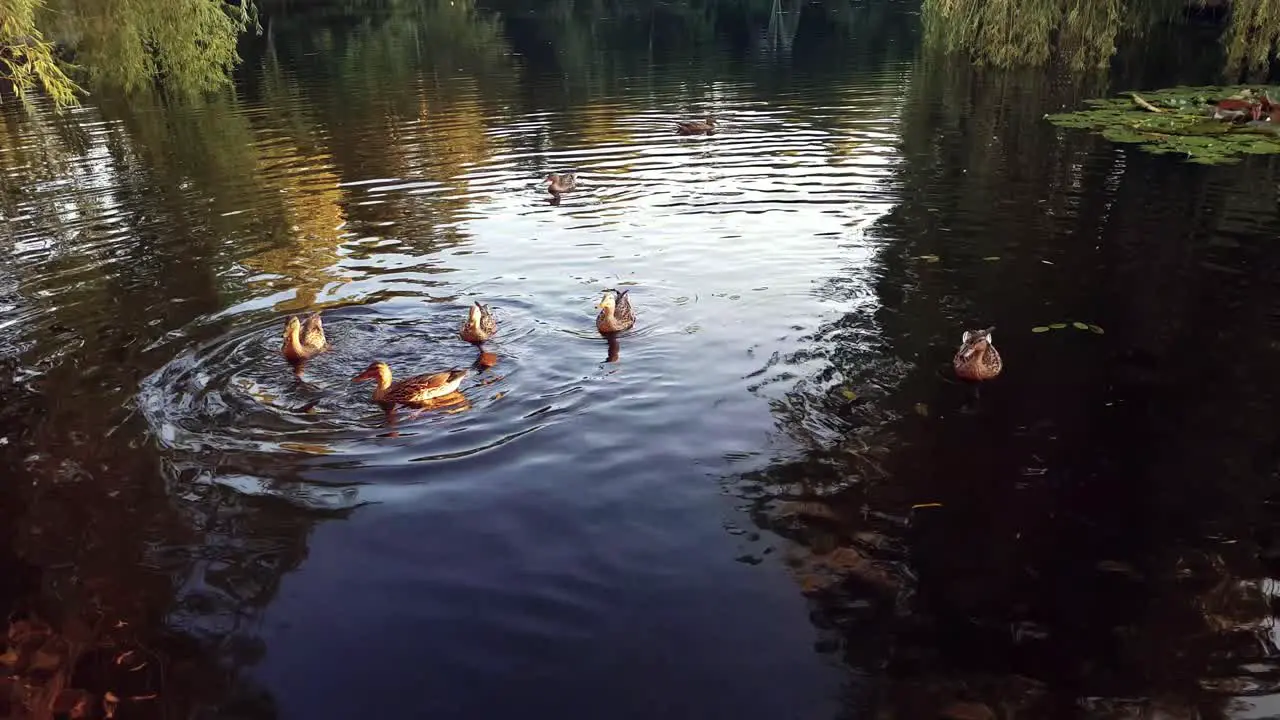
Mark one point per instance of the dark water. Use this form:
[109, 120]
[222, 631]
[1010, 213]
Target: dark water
[773, 502]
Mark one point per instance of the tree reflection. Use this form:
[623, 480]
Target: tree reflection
[1095, 534]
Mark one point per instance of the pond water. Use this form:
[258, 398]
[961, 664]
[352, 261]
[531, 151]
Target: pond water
[767, 500]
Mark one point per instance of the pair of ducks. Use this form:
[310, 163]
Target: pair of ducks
[303, 341]
[560, 183]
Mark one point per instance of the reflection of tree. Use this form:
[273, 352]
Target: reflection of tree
[421, 72]
[1088, 531]
[127, 225]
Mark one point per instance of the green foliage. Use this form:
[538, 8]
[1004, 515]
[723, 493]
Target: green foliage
[1008, 33]
[1083, 33]
[189, 46]
[27, 60]
[1253, 36]
[1184, 128]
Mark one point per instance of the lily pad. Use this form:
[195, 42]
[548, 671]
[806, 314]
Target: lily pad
[1184, 124]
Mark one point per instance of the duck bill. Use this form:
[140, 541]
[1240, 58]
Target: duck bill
[366, 375]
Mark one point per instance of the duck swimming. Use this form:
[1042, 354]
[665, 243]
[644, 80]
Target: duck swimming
[696, 127]
[414, 391]
[977, 359]
[615, 313]
[301, 344]
[479, 325]
[560, 183]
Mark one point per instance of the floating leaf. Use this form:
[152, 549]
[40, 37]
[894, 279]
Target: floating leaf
[922, 410]
[1040, 329]
[1057, 326]
[1079, 325]
[1186, 128]
[991, 258]
[848, 394]
[1095, 329]
[928, 258]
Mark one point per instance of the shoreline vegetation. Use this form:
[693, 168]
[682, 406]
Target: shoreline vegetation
[63, 48]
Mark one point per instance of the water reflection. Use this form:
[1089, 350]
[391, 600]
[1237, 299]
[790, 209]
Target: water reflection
[1090, 540]
[1095, 534]
[386, 173]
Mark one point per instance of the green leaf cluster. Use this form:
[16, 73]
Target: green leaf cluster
[1185, 128]
[186, 46]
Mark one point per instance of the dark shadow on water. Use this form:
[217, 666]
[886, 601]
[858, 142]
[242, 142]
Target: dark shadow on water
[1095, 537]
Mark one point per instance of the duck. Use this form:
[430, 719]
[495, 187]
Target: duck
[560, 183]
[696, 127]
[977, 359]
[301, 344]
[615, 313]
[479, 325]
[418, 390]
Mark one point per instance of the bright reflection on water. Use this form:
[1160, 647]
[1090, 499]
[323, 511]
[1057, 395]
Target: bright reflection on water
[561, 528]
[768, 499]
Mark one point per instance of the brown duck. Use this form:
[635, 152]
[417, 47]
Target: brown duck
[415, 391]
[302, 343]
[615, 313]
[479, 325]
[696, 127]
[560, 183]
[977, 358]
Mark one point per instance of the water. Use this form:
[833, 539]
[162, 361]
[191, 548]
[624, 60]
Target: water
[768, 500]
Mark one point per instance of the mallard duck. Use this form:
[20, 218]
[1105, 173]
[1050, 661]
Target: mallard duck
[560, 183]
[977, 358]
[479, 325]
[301, 344]
[696, 127]
[615, 313]
[417, 390]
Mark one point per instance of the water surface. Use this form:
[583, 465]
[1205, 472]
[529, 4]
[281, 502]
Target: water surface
[769, 499]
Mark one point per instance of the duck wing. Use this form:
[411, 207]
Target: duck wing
[313, 332]
[622, 308]
[487, 323]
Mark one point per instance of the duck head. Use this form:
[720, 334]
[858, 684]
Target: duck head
[973, 341]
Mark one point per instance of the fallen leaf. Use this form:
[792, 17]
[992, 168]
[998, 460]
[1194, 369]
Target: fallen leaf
[1095, 329]
[848, 394]
[1040, 329]
[928, 258]
[1079, 325]
[919, 506]
[1057, 326]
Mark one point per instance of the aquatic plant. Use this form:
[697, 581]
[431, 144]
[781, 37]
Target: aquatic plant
[1208, 125]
